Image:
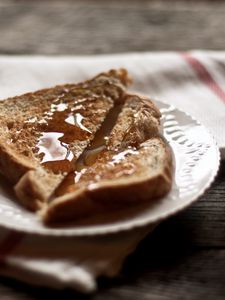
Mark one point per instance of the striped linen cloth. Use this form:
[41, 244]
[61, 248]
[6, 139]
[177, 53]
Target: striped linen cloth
[192, 81]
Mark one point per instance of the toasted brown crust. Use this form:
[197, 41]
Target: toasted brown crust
[111, 195]
[33, 185]
[18, 139]
[143, 175]
[13, 166]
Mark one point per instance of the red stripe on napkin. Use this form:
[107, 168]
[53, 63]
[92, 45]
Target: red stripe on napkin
[9, 244]
[204, 75]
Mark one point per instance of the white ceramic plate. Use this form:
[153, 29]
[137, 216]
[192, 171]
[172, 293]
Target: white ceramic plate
[196, 161]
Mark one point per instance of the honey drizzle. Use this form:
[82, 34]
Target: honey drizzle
[60, 127]
[90, 155]
[98, 144]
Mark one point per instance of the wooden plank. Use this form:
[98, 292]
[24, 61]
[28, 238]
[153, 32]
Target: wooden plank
[87, 27]
[171, 273]
[202, 224]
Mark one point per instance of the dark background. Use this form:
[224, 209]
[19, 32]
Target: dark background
[185, 257]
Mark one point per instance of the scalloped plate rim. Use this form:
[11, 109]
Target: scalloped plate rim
[126, 225]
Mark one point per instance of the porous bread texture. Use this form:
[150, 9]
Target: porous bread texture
[20, 119]
[144, 172]
[151, 180]
[138, 121]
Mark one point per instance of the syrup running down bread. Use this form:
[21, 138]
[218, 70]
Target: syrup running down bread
[127, 163]
[48, 130]
[79, 150]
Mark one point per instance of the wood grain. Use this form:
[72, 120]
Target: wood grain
[184, 257]
[87, 27]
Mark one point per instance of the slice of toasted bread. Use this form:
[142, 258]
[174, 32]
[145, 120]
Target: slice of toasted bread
[132, 167]
[42, 134]
[78, 150]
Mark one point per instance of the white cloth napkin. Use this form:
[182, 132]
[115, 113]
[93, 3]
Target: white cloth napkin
[193, 82]
[60, 262]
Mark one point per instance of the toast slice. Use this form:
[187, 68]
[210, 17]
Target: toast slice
[128, 166]
[42, 134]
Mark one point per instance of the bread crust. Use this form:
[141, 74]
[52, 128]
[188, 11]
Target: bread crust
[136, 132]
[19, 161]
[111, 196]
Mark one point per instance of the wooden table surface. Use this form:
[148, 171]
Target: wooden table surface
[185, 257]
